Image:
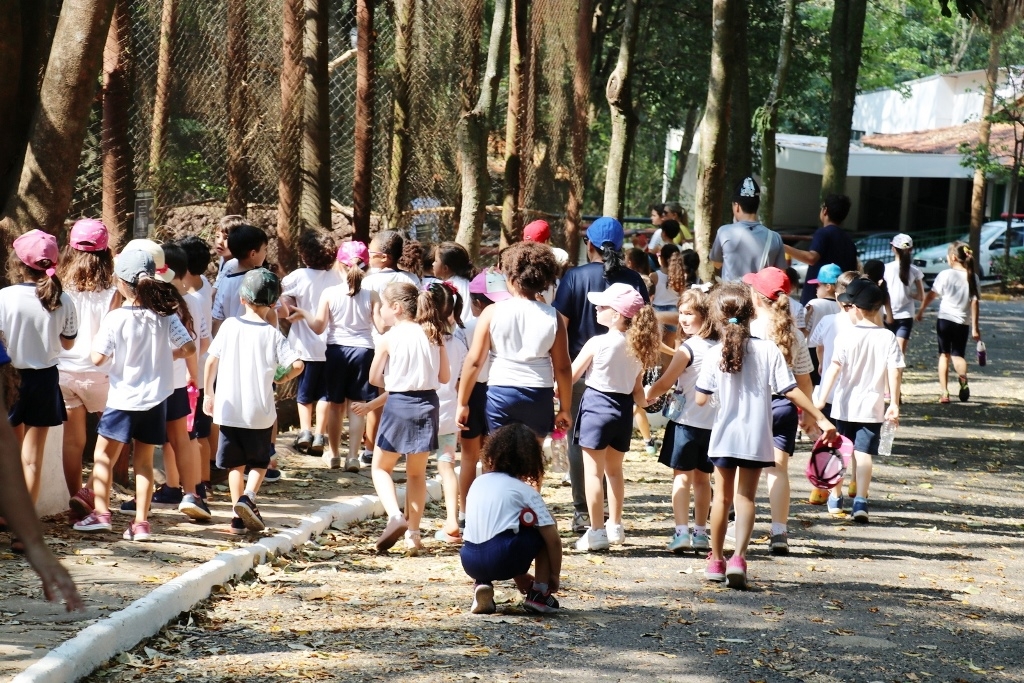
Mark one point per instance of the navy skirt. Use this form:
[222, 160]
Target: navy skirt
[409, 422]
[40, 402]
[531, 406]
[605, 420]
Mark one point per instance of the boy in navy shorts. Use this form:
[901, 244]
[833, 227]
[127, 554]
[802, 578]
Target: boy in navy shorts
[248, 356]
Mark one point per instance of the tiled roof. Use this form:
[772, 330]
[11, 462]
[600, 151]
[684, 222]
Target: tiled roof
[944, 140]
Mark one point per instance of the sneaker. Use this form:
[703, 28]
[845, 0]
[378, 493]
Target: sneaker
[779, 544]
[195, 507]
[202, 490]
[700, 542]
[94, 521]
[128, 506]
[944, 398]
[860, 510]
[965, 391]
[714, 570]
[82, 503]
[316, 449]
[272, 476]
[167, 496]
[651, 446]
[835, 504]
[616, 534]
[483, 599]
[730, 532]
[366, 458]
[593, 540]
[331, 461]
[352, 465]
[445, 537]
[392, 532]
[580, 522]
[137, 531]
[818, 497]
[679, 544]
[237, 526]
[250, 514]
[303, 441]
[851, 489]
[736, 572]
[540, 603]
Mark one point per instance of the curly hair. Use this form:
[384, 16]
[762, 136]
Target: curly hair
[643, 334]
[316, 249]
[731, 302]
[514, 450]
[698, 302]
[780, 324]
[672, 264]
[86, 271]
[163, 299]
[48, 287]
[412, 258]
[530, 267]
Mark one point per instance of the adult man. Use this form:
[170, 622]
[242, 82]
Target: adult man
[604, 255]
[830, 244]
[746, 246]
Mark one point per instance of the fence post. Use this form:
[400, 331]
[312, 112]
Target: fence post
[362, 175]
[161, 99]
[289, 152]
[236, 92]
[118, 184]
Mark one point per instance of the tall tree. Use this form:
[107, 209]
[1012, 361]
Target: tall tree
[767, 117]
[739, 156]
[316, 130]
[620, 98]
[845, 37]
[518, 88]
[401, 129]
[236, 94]
[162, 99]
[362, 175]
[118, 183]
[289, 150]
[580, 126]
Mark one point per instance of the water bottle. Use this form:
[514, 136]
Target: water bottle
[674, 405]
[982, 357]
[193, 399]
[559, 452]
[886, 437]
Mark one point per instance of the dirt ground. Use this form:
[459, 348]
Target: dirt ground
[928, 590]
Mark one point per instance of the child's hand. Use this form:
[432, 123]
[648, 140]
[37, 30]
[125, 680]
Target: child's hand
[920, 315]
[462, 416]
[562, 420]
[57, 583]
[208, 404]
[976, 334]
[819, 403]
[893, 413]
[360, 408]
[828, 431]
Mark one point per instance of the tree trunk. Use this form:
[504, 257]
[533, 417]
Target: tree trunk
[161, 100]
[58, 124]
[713, 137]
[518, 88]
[675, 182]
[316, 131]
[620, 98]
[289, 152]
[739, 158]
[984, 135]
[845, 36]
[237, 96]
[118, 182]
[471, 137]
[470, 33]
[362, 175]
[401, 134]
[768, 119]
[580, 127]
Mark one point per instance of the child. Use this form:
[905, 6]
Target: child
[345, 313]
[614, 363]
[508, 526]
[636, 260]
[247, 357]
[452, 263]
[142, 339]
[671, 282]
[688, 435]
[87, 272]
[824, 302]
[248, 245]
[874, 270]
[905, 283]
[37, 321]
[795, 309]
[410, 363]
[302, 288]
[958, 315]
[865, 357]
[744, 373]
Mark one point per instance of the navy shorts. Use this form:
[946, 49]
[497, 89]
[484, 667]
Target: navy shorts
[409, 422]
[901, 327]
[952, 337]
[531, 406]
[177, 405]
[503, 557]
[145, 426]
[312, 383]
[785, 422]
[685, 448]
[202, 422]
[864, 435]
[605, 420]
[348, 374]
[40, 402]
[668, 308]
[477, 422]
[733, 463]
[241, 447]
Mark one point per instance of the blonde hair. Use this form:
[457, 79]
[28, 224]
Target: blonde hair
[643, 335]
[697, 301]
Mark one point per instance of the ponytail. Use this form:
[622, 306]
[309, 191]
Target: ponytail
[48, 287]
[354, 274]
[163, 299]
[613, 262]
[780, 329]
[732, 309]
[430, 306]
[904, 257]
[643, 334]
[962, 254]
[676, 272]
[49, 290]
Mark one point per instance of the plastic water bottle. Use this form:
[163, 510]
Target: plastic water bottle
[559, 452]
[193, 399]
[982, 357]
[886, 437]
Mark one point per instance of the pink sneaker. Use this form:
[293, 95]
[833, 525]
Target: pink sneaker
[82, 503]
[715, 569]
[94, 521]
[736, 573]
[137, 531]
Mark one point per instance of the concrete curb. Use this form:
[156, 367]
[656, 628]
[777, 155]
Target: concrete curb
[123, 630]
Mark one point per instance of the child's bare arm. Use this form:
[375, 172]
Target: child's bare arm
[370, 406]
[554, 547]
[827, 382]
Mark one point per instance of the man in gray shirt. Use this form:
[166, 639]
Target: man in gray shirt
[746, 246]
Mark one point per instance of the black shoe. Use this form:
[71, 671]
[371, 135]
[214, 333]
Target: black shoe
[965, 391]
[250, 514]
[316, 449]
[272, 475]
[166, 496]
[542, 604]
[303, 441]
[195, 507]
[366, 457]
[237, 526]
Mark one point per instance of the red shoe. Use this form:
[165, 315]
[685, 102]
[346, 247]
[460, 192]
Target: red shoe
[82, 503]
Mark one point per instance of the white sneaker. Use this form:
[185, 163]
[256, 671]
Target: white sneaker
[730, 532]
[330, 460]
[593, 540]
[616, 533]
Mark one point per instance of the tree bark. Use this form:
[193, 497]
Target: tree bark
[362, 183]
[68, 89]
[471, 137]
[289, 153]
[739, 157]
[845, 35]
[675, 182]
[401, 133]
[984, 136]
[161, 100]
[316, 131]
[237, 100]
[620, 99]
[518, 88]
[580, 127]
[768, 119]
[118, 175]
[713, 136]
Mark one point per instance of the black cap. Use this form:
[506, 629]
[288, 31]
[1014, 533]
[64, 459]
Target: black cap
[748, 188]
[864, 294]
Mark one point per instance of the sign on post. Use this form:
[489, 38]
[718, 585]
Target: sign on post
[144, 215]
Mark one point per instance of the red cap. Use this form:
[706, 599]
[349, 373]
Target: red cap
[537, 231]
[770, 282]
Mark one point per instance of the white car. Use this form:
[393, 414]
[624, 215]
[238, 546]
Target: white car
[933, 260]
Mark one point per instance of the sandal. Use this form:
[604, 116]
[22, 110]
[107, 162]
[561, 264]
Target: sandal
[944, 398]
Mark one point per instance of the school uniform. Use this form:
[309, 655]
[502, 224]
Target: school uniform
[954, 323]
[349, 344]
[178, 405]
[200, 305]
[901, 299]
[461, 284]
[81, 382]
[688, 436]
[457, 349]
[817, 309]
[785, 418]
[605, 417]
[227, 303]
[476, 425]
[410, 419]
[828, 329]
[305, 286]
[665, 299]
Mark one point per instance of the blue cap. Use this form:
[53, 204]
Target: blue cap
[606, 229]
[827, 275]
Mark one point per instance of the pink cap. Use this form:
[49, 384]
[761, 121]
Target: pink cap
[88, 234]
[620, 297]
[828, 462]
[37, 250]
[353, 254]
[537, 231]
[492, 284]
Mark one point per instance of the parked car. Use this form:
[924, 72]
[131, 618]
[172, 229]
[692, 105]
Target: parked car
[876, 246]
[933, 259]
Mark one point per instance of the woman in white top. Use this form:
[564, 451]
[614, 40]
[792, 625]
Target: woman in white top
[905, 284]
[528, 348]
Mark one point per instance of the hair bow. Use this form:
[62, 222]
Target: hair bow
[51, 271]
[703, 287]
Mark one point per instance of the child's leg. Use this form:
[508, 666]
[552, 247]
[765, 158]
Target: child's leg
[778, 488]
[593, 481]
[32, 458]
[415, 489]
[864, 467]
[944, 373]
[681, 498]
[701, 497]
[72, 448]
[172, 473]
[449, 484]
[372, 422]
[236, 483]
[746, 490]
[643, 425]
[203, 445]
[185, 455]
[321, 417]
[380, 472]
[541, 566]
[335, 416]
[616, 485]
[213, 442]
[467, 466]
[305, 416]
[104, 457]
[356, 427]
[725, 479]
[142, 463]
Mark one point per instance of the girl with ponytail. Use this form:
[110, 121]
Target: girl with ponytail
[904, 283]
